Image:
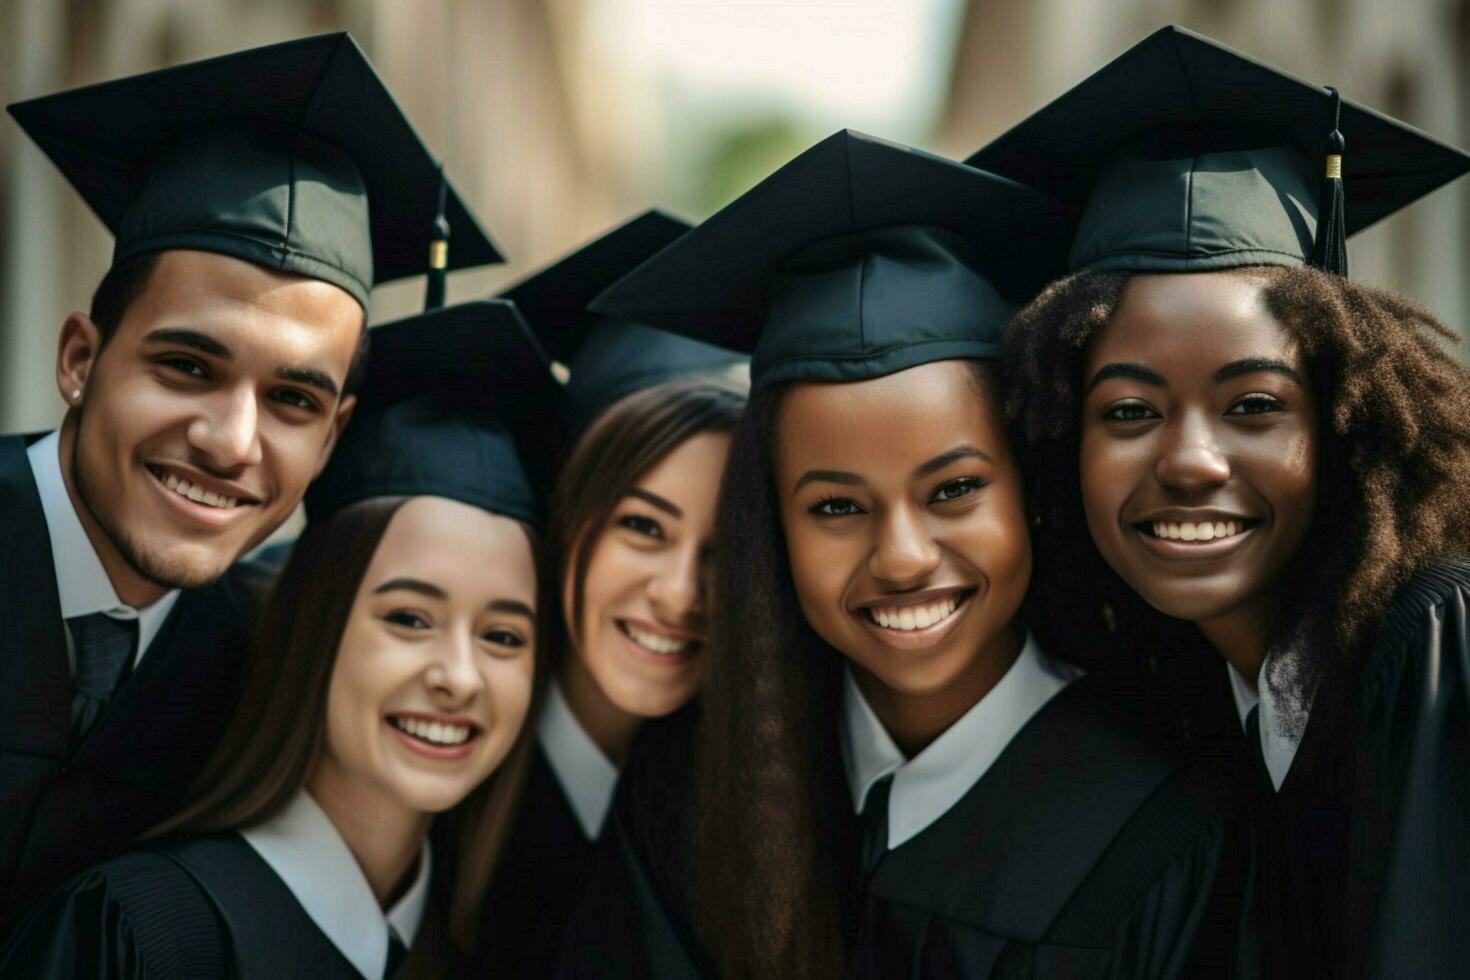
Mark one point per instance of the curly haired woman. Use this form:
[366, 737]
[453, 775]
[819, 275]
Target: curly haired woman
[1269, 461]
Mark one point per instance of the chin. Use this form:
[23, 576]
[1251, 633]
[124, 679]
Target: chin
[641, 702]
[180, 566]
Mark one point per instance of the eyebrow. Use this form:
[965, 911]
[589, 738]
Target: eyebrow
[412, 585]
[1253, 365]
[308, 376]
[193, 339]
[512, 606]
[946, 458]
[1127, 370]
[654, 500]
[830, 476]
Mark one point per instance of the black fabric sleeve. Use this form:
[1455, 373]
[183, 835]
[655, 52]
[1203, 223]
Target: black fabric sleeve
[137, 916]
[1408, 780]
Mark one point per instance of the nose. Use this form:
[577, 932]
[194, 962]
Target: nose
[905, 553]
[676, 589]
[453, 674]
[227, 432]
[1190, 457]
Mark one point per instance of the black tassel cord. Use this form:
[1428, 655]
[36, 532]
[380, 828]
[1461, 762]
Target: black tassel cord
[1329, 250]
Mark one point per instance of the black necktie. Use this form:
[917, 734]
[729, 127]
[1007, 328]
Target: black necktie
[397, 952]
[1253, 735]
[875, 825]
[104, 649]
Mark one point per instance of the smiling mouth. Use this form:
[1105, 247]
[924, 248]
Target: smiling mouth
[907, 619]
[439, 734]
[196, 493]
[661, 646]
[1199, 531]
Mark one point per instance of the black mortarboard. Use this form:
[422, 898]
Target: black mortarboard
[608, 358]
[857, 259]
[292, 156]
[436, 414]
[1182, 154]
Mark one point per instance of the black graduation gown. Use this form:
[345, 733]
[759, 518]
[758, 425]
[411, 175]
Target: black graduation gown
[1085, 850]
[541, 874]
[188, 909]
[64, 807]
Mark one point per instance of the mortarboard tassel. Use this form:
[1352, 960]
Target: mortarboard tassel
[1329, 250]
[438, 252]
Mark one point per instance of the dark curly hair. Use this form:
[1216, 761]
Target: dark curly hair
[1395, 454]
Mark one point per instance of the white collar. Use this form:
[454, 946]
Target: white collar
[926, 786]
[1277, 747]
[586, 776]
[304, 849]
[81, 581]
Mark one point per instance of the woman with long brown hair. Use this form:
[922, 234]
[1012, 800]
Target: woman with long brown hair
[1257, 467]
[392, 669]
[889, 776]
[644, 428]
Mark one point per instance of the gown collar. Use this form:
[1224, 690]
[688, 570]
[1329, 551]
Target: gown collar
[928, 785]
[81, 581]
[585, 775]
[302, 846]
[1278, 747]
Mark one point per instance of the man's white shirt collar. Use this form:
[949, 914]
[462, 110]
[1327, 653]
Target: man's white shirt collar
[926, 786]
[81, 581]
[586, 776]
[302, 846]
[1277, 749]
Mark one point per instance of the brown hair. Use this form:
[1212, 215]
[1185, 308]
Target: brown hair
[625, 442]
[774, 832]
[1395, 454]
[278, 730]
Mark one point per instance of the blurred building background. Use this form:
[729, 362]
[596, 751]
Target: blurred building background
[558, 118]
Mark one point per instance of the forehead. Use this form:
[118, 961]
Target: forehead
[203, 290]
[472, 554]
[887, 424]
[1194, 321]
[691, 471]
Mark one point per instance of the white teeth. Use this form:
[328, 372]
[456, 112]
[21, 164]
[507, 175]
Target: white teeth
[909, 618]
[437, 732]
[198, 494]
[1190, 531]
[654, 643]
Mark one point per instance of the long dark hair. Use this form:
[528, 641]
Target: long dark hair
[1394, 460]
[627, 440]
[278, 730]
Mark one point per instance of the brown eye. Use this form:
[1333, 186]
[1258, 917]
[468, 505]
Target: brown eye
[639, 524]
[958, 489]
[835, 507]
[407, 619]
[1256, 404]
[1129, 411]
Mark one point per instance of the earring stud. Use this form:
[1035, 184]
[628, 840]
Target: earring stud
[76, 394]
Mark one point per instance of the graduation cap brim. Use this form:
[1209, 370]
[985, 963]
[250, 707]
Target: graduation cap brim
[104, 137]
[555, 299]
[1179, 89]
[711, 283]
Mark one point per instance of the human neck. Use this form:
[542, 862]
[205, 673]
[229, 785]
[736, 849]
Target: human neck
[1243, 637]
[915, 720]
[610, 727]
[384, 836]
[131, 587]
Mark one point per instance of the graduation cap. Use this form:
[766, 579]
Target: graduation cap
[292, 156]
[857, 259]
[436, 415]
[1182, 154]
[607, 358]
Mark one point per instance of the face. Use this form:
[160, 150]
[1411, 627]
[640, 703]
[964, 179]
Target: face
[1199, 445]
[434, 673]
[206, 415]
[905, 524]
[641, 631]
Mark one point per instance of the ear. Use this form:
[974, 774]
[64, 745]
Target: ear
[344, 415]
[76, 356]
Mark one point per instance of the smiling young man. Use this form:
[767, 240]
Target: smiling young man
[254, 207]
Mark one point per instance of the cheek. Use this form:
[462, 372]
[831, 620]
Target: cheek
[509, 683]
[821, 564]
[997, 541]
[1108, 471]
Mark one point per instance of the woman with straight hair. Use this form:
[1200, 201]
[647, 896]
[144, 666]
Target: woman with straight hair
[644, 424]
[1258, 467]
[889, 777]
[392, 671]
